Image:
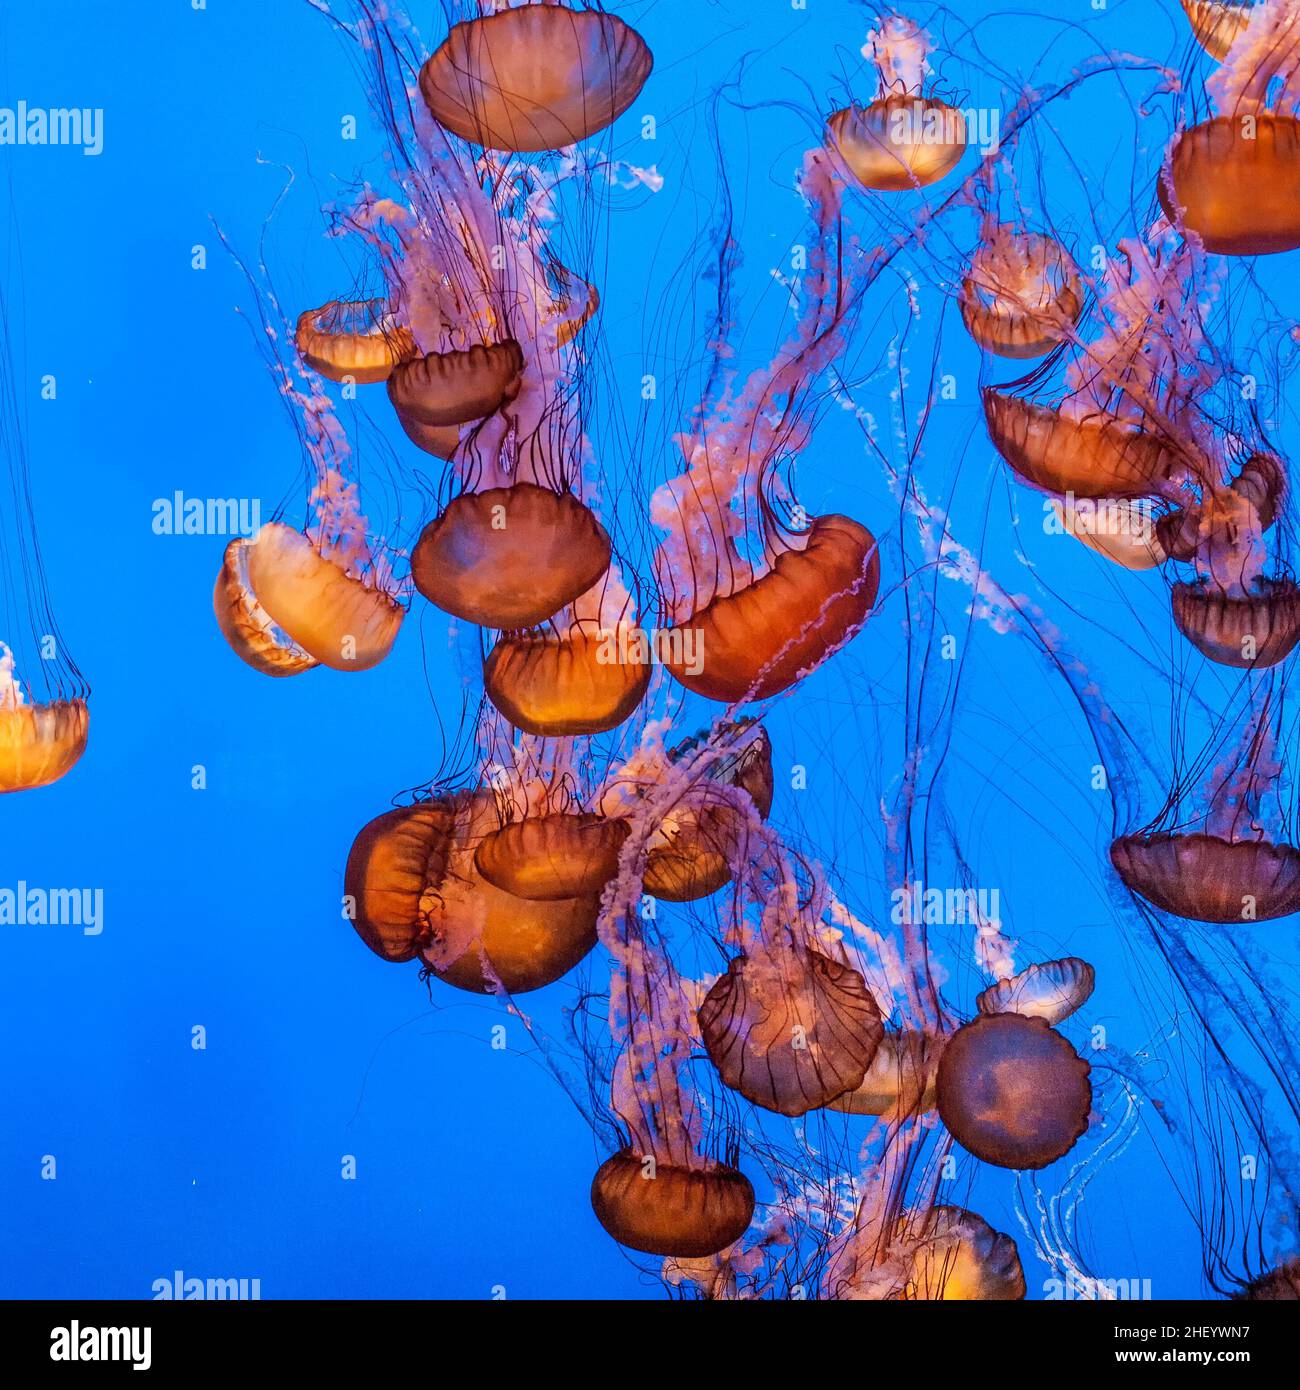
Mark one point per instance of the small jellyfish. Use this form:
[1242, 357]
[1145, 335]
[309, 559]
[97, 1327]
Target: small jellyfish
[1218, 24]
[453, 388]
[665, 1209]
[545, 857]
[39, 743]
[1051, 990]
[1013, 1092]
[790, 1029]
[1121, 529]
[535, 77]
[900, 1080]
[563, 680]
[357, 341]
[1020, 293]
[961, 1257]
[247, 626]
[901, 140]
[416, 891]
[510, 557]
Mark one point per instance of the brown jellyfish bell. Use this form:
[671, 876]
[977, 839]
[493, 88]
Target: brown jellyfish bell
[453, 388]
[692, 850]
[568, 854]
[901, 140]
[789, 1028]
[1217, 24]
[510, 557]
[39, 743]
[1013, 1092]
[900, 1080]
[535, 77]
[1051, 990]
[1280, 1285]
[1020, 293]
[959, 1257]
[671, 1210]
[1208, 878]
[1234, 180]
[247, 626]
[415, 891]
[760, 639]
[336, 617]
[353, 340]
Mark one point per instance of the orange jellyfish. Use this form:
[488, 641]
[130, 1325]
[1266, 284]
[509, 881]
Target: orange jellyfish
[510, 557]
[1123, 530]
[39, 743]
[353, 341]
[790, 1029]
[414, 890]
[900, 1080]
[247, 626]
[662, 1209]
[1280, 1285]
[1020, 293]
[1051, 990]
[453, 388]
[960, 1257]
[1218, 24]
[569, 854]
[535, 77]
[1013, 1091]
[901, 140]
[1234, 180]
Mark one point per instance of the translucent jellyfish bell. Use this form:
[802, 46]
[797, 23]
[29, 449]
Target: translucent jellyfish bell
[247, 626]
[356, 340]
[39, 743]
[898, 142]
[1019, 294]
[962, 1258]
[552, 856]
[535, 77]
[1051, 990]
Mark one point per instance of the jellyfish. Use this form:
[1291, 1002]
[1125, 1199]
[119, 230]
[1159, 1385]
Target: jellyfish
[1218, 24]
[557, 855]
[1052, 991]
[1013, 1091]
[39, 743]
[1234, 180]
[453, 388]
[960, 1257]
[1280, 1285]
[901, 1078]
[353, 340]
[539, 76]
[247, 626]
[901, 140]
[414, 890]
[1125, 531]
[1018, 291]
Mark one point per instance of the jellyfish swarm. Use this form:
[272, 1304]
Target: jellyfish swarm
[1020, 293]
[1012, 1091]
[415, 890]
[535, 77]
[900, 140]
[1234, 180]
[747, 630]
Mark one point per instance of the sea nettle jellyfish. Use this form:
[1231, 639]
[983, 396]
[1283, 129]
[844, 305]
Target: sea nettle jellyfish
[39, 743]
[1013, 1092]
[1125, 531]
[902, 139]
[414, 890]
[900, 1080]
[747, 629]
[1218, 24]
[1224, 866]
[960, 1257]
[1052, 991]
[1019, 293]
[535, 77]
[355, 341]
[1234, 180]
[1280, 1285]
[247, 626]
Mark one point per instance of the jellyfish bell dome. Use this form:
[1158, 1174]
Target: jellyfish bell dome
[961, 1257]
[546, 857]
[1217, 24]
[1206, 878]
[898, 142]
[691, 853]
[790, 1032]
[353, 340]
[565, 680]
[1280, 1285]
[1239, 192]
[664, 1209]
[452, 388]
[510, 557]
[1094, 456]
[338, 619]
[247, 626]
[439, 440]
[900, 1080]
[535, 77]
[1051, 990]
[1012, 1091]
[1123, 530]
[39, 743]
[1253, 630]
[412, 878]
[758, 641]
[1019, 293]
